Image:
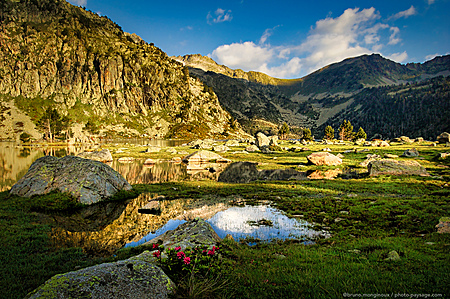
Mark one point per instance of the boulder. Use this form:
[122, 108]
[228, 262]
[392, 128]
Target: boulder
[443, 156]
[232, 143]
[221, 148]
[102, 156]
[390, 156]
[132, 278]
[403, 139]
[149, 162]
[443, 227]
[88, 181]
[419, 139]
[252, 148]
[410, 153]
[443, 137]
[153, 149]
[394, 167]
[204, 156]
[262, 140]
[273, 140]
[126, 160]
[193, 233]
[324, 158]
[239, 172]
[244, 172]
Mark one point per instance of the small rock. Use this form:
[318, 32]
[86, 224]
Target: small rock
[149, 162]
[357, 251]
[390, 156]
[393, 256]
[410, 153]
[338, 220]
[344, 212]
[126, 159]
[279, 256]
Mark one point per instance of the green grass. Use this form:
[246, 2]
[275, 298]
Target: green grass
[379, 214]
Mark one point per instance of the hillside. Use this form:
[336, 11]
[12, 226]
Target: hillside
[58, 56]
[315, 99]
[415, 110]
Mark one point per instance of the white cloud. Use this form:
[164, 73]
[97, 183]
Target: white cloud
[247, 56]
[406, 13]
[354, 33]
[222, 15]
[78, 2]
[429, 57]
[393, 39]
[398, 57]
[430, 2]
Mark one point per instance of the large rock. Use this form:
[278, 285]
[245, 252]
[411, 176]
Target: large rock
[324, 158]
[132, 278]
[204, 156]
[244, 172]
[102, 156]
[88, 181]
[443, 137]
[262, 140]
[394, 167]
[193, 233]
[410, 153]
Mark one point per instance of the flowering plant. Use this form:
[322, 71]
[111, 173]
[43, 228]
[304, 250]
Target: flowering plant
[201, 261]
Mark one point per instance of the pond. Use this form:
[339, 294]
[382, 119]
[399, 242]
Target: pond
[250, 224]
[103, 228]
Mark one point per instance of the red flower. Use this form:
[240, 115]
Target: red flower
[157, 253]
[155, 246]
[180, 255]
[187, 260]
[211, 252]
[178, 248]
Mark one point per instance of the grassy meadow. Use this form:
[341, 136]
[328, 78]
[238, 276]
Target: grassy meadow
[368, 217]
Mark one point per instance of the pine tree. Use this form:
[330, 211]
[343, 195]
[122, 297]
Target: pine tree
[361, 134]
[329, 133]
[346, 131]
[307, 134]
[284, 130]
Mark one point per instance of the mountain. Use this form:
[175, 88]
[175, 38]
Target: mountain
[58, 56]
[315, 99]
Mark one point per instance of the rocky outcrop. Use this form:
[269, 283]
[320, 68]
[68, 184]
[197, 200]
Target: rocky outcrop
[324, 158]
[262, 140]
[194, 233]
[56, 55]
[88, 181]
[394, 167]
[133, 278]
[102, 156]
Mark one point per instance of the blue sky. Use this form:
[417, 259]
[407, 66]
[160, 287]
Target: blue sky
[286, 39]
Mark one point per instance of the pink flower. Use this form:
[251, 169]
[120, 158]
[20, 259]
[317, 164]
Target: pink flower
[180, 255]
[204, 250]
[155, 246]
[157, 253]
[211, 252]
[187, 260]
[215, 248]
[178, 248]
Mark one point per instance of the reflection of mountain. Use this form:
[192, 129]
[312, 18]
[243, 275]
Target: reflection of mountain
[14, 163]
[104, 228]
[138, 173]
[16, 160]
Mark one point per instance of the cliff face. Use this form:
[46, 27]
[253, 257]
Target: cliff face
[55, 55]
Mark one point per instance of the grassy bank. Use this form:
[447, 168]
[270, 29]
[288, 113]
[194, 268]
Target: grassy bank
[368, 217]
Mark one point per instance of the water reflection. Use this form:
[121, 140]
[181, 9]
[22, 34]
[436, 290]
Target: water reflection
[105, 227]
[241, 222]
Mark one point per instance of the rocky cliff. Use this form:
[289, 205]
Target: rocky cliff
[56, 55]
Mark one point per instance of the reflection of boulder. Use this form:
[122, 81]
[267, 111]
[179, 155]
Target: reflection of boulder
[88, 181]
[102, 156]
[132, 278]
[328, 174]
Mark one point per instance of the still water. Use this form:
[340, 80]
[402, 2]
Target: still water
[106, 227]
